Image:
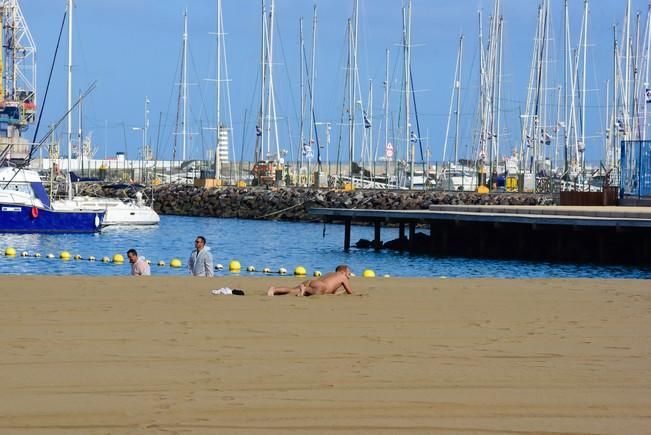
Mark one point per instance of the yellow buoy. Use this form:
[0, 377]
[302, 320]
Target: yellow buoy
[482, 189]
[106, 260]
[368, 273]
[161, 263]
[118, 258]
[300, 271]
[176, 263]
[234, 266]
[317, 273]
[10, 252]
[250, 269]
[64, 255]
[282, 271]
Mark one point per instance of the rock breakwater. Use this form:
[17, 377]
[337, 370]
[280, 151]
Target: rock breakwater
[293, 204]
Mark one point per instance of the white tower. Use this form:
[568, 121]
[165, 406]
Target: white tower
[222, 149]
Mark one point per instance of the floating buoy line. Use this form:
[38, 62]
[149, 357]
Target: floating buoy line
[234, 267]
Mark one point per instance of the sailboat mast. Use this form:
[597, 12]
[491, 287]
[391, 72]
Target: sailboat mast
[80, 134]
[647, 49]
[411, 146]
[583, 84]
[352, 81]
[184, 85]
[312, 78]
[457, 85]
[272, 94]
[368, 127]
[218, 123]
[386, 114]
[498, 78]
[455, 89]
[69, 90]
[259, 141]
[615, 126]
[301, 73]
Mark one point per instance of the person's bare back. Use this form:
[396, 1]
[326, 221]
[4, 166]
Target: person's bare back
[325, 285]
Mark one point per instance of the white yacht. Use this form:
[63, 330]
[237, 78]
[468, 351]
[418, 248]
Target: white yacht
[457, 178]
[117, 212]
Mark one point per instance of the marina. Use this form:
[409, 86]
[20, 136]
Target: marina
[477, 176]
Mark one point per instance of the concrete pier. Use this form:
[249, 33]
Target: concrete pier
[617, 235]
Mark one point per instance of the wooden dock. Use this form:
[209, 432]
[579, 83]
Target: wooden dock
[618, 235]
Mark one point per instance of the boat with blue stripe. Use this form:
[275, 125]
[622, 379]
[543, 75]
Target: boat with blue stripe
[26, 208]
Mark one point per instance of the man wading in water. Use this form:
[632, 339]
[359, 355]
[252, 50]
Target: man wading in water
[328, 284]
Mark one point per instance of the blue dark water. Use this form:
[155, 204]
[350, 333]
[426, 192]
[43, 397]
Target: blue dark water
[266, 244]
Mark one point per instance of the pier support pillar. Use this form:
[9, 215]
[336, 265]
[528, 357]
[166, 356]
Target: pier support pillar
[347, 235]
[377, 242]
[401, 236]
[482, 243]
[412, 235]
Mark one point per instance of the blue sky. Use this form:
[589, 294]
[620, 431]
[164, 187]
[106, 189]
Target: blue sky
[132, 48]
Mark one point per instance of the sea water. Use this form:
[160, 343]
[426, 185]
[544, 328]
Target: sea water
[265, 244]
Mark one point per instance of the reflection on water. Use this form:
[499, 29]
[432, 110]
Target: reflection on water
[266, 244]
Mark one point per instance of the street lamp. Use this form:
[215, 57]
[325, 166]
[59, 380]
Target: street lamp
[142, 149]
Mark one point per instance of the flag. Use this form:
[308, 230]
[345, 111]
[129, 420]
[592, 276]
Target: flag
[367, 122]
[620, 126]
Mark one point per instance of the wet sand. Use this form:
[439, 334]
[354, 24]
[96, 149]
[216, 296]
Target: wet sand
[121, 355]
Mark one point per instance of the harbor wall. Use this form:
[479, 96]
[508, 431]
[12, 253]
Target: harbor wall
[293, 204]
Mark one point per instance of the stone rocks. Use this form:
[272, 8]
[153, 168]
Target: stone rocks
[293, 204]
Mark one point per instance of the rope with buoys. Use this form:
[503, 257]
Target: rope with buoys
[234, 266]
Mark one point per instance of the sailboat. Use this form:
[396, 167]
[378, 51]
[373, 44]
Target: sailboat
[269, 159]
[24, 204]
[116, 211]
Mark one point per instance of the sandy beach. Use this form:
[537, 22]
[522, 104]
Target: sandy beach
[122, 355]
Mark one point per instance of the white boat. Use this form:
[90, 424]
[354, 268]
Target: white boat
[457, 178]
[117, 212]
[26, 208]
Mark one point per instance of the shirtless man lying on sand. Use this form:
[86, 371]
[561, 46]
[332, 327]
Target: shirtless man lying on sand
[327, 284]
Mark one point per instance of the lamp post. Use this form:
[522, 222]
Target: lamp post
[142, 148]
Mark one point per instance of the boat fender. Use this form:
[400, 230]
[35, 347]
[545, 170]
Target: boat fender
[96, 221]
[34, 212]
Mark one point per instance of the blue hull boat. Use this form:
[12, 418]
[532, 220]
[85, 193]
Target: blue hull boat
[23, 219]
[25, 207]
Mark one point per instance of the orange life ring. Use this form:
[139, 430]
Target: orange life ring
[34, 212]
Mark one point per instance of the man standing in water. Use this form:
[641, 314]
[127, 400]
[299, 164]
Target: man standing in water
[327, 284]
[139, 267]
[200, 262]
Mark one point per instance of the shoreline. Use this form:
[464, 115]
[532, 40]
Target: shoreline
[161, 354]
